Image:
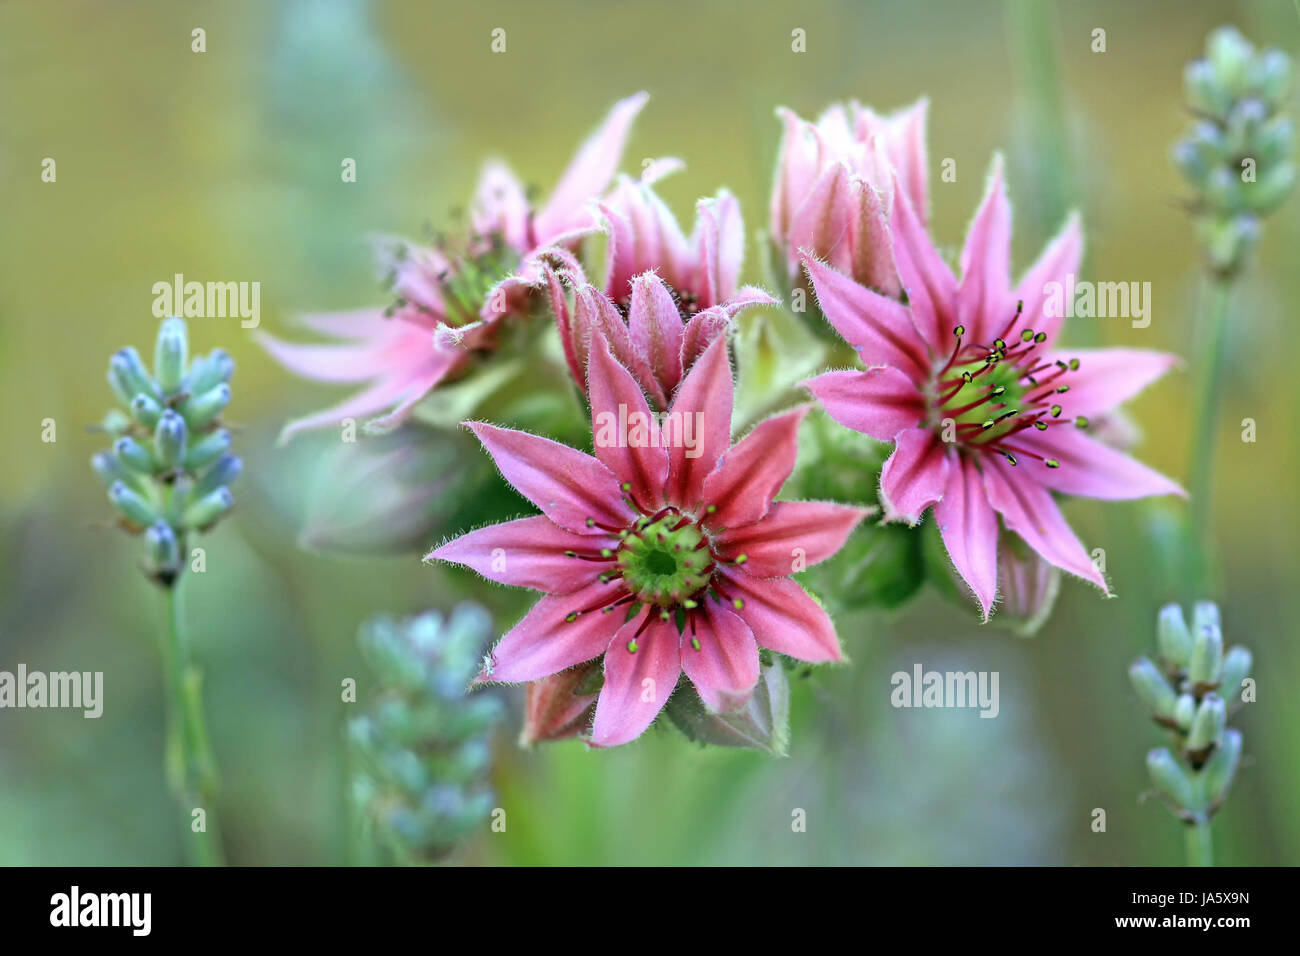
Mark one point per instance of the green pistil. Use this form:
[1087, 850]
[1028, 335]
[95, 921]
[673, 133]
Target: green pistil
[664, 564]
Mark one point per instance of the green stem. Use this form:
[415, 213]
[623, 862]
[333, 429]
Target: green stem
[191, 768]
[1208, 388]
[1200, 844]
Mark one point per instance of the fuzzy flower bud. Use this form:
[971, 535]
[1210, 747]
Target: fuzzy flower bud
[422, 749]
[168, 470]
[1239, 155]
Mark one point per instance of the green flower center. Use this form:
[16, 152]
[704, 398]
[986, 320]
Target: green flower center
[665, 560]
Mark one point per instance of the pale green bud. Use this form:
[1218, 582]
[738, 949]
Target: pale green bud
[134, 455]
[1236, 668]
[1172, 636]
[207, 510]
[1152, 688]
[1207, 725]
[171, 352]
[1184, 711]
[1207, 652]
[1221, 768]
[202, 409]
[207, 449]
[169, 440]
[133, 506]
[1171, 779]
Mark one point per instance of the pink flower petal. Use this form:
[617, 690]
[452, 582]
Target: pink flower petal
[915, 476]
[782, 615]
[1107, 378]
[1027, 509]
[724, 668]
[1060, 259]
[530, 553]
[1089, 468]
[699, 333]
[793, 535]
[615, 399]
[752, 471]
[637, 683]
[574, 490]
[656, 328]
[905, 147]
[970, 531]
[871, 260]
[643, 236]
[500, 206]
[797, 169]
[720, 247]
[701, 412]
[879, 402]
[394, 345]
[823, 221]
[879, 328]
[589, 172]
[546, 642]
[984, 301]
[930, 284]
[593, 312]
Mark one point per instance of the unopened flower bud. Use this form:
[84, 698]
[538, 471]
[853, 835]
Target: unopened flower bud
[207, 449]
[1236, 668]
[1171, 779]
[1207, 654]
[171, 350]
[146, 410]
[134, 455]
[208, 509]
[1152, 688]
[111, 470]
[132, 505]
[210, 371]
[200, 410]
[169, 440]
[223, 473]
[1221, 768]
[1184, 711]
[128, 377]
[1208, 723]
[1172, 636]
[162, 550]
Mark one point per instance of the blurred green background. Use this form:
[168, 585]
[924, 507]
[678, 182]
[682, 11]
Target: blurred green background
[225, 165]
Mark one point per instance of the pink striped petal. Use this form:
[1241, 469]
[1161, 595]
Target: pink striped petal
[656, 328]
[823, 221]
[1091, 469]
[530, 553]
[589, 173]
[500, 206]
[1107, 378]
[930, 284]
[879, 328]
[793, 535]
[906, 149]
[703, 327]
[574, 490]
[984, 299]
[701, 412]
[970, 531]
[615, 397]
[871, 259]
[752, 471]
[915, 476]
[782, 615]
[637, 683]
[720, 247]
[1027, 509]
[593, 312]
[546, 642]
[724, 667]
[1062, 257]
[879, 402]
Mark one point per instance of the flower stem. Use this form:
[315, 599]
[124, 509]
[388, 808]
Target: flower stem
[1200, 844]
[1208, 389]
[190, 766]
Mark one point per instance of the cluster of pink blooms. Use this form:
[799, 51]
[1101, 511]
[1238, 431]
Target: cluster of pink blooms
[668, 561]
